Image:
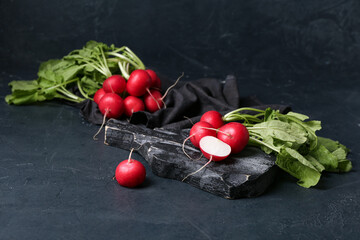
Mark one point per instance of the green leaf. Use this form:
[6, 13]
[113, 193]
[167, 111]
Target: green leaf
[299, 116]
[344, 165]
[310, 127]
[22, 85]
[280, 130]
[325, 157]
[24, 92]
[295, 164]
[339, 151]
[269, 114]
[332, 145]
[315, 163]
[70, 72]
[313, 125]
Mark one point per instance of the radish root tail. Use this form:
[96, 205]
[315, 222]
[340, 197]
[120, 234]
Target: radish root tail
[157, 103]
[198, 169]
[102, 125]
[183, 148]
[169, 88]
[192, 123]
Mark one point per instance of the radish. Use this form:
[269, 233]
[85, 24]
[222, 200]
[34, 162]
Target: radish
[214, 149]
[197, 132]
[153, 100]
[235, 134]
[155, 80]
[111, 105]
[200, 130]
[214, 118]
[114, 84]
[98, 95]
[133, 104]
[130, 173]
[138, 83]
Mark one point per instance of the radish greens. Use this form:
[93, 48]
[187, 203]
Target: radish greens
[292, 138]
[76, 76]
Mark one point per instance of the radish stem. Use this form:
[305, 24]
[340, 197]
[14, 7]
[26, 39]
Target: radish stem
[131, 151]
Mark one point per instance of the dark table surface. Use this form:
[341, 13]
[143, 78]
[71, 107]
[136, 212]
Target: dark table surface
[56, 181]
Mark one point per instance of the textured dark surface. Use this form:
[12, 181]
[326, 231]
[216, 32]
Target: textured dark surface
[56, 181]
[247, 174]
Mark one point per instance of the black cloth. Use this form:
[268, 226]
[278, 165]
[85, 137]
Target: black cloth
[186, 102]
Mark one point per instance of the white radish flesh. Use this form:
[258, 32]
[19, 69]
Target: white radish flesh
[214, 148]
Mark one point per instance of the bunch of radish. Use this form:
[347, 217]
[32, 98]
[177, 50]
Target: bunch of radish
[215, 139]
[140, 92]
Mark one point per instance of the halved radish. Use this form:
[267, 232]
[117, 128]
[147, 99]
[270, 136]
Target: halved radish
[214, 149]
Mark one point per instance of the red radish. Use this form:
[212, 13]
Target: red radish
[200, 130]
[155, 80]
[111, 105]
[130, 173]
[214, 149]
[138, 83]
[235, 134]
[114, 84]
[133, 104]
[213, 117]
[98, 95]
[153, 100]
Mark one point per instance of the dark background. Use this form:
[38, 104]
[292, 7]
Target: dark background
[55, 181]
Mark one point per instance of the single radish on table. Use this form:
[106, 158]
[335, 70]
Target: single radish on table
[213, 117]
[138, 83]
[98, 95]
[155, 80]
[114, 84]
[153, 100]
[213, 149]
[133, 104]
[130, 173]
[235, 134]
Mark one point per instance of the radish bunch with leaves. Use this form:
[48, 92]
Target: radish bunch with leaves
[76, 76]
[93, 72]
[292, 138]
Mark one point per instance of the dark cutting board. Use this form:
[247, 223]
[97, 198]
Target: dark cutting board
[247, 174]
